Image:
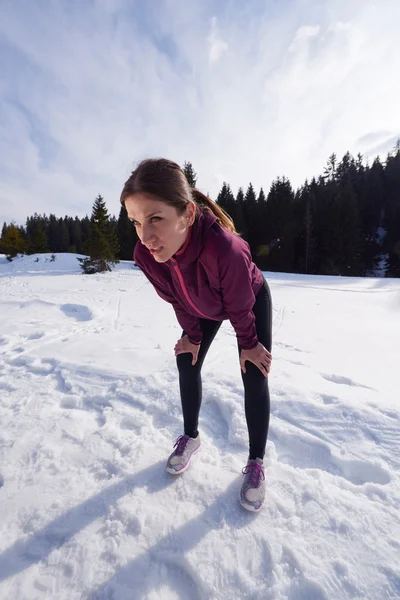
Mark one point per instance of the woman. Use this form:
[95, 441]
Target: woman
[190, 252]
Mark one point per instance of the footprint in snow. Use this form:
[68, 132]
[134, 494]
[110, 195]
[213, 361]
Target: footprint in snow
[70, 402]
[301, 453]
[289, 347]
[17, 350]
[130, 423]
[327, 399]
[7, 387]
[344, 380]
[79, 312]
[174, 577]
[35, 336]
[300, 587]
[389, 413]
[303, 589]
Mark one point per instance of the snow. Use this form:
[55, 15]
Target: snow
[90, 409]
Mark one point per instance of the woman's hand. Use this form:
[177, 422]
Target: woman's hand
[259, 356]
[183, 345]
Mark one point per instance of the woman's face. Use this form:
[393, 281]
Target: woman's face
[158, 225]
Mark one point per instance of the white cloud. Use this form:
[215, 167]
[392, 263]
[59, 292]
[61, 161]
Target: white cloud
[217, 46]
[245, 96]
[302, 35]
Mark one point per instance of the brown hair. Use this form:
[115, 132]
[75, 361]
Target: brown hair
[166, 180]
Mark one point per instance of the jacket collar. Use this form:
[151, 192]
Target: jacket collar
[195, 240]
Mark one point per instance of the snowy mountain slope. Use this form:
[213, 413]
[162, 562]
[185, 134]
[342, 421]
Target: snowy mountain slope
[89, 410]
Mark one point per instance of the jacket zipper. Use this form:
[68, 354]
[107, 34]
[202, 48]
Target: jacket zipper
[177, 270]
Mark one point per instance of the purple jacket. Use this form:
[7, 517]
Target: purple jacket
[212, 276]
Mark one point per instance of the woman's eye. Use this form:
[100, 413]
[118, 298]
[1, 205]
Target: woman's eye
[152, 218]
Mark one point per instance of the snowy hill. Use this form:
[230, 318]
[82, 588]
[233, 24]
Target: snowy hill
[90, 409]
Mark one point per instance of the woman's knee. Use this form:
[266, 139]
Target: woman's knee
[184, 363]
[253, 377]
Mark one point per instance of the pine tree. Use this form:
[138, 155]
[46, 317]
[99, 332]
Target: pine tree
[261, 199]
[280, 226]
[39, 243]
[127, 236]
[346, 171]
[53, 234]
[64, 240]
[250, 196]
[305, 243]
[261, 249]
[31, 223]
[308, 223]
[11, 241]
[352, 247]
[75, 234]
[392, 213]
[371, 192]
[226, 200]
[74, 239]
[330, 169]
[102, 245]
[347, 253]
[85, 229]
[190, 173]
[250, 214]
[3, 233]
[328, 227]
[239, 214]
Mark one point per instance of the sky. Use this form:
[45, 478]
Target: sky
[246, 91]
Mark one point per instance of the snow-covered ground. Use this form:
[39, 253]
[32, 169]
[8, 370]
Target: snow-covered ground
[90, 409]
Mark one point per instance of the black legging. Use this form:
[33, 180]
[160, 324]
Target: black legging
[256, 392]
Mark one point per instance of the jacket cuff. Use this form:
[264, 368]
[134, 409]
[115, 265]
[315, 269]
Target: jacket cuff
[249, 345]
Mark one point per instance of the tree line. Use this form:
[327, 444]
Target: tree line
[345, 222]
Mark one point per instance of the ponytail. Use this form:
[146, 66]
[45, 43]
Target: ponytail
[207, 205]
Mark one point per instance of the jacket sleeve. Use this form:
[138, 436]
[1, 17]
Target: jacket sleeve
[189, 323]
[237, 294]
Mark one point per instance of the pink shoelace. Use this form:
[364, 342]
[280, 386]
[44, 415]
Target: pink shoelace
[181, 443]
[256, 472]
